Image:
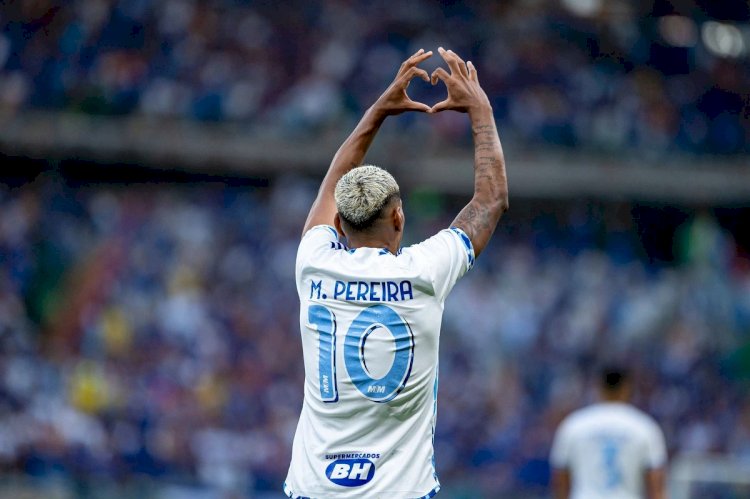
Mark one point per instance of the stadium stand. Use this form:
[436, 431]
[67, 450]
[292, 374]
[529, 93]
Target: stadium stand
[146, 331]
[148, 340]
[648, 75]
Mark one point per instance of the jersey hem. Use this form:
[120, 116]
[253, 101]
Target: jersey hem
[290, 493]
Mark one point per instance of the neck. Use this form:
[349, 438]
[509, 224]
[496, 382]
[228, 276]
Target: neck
[614, 397]
[371, 241]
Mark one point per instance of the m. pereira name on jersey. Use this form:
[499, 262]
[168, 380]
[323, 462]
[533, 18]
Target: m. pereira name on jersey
[372, 291]
[350, 472]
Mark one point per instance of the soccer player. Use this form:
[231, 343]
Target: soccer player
[370, 312]
[609, 450]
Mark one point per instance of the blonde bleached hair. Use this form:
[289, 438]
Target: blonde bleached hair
[362, 193]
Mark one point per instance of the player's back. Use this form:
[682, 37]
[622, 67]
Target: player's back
[370, 323]
[607, 448]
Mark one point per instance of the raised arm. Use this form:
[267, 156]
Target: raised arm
[656, 483]
[478, 218]
[352, 152]
[560, 483]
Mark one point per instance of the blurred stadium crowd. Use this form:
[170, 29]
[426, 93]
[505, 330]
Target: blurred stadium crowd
[655, 76]
[152, 331]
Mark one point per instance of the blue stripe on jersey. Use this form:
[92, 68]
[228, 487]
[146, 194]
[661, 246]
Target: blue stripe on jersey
[334, 244]
[435, 390]
[431, 493]
[387, 252]
[291, 494]
[467, 245]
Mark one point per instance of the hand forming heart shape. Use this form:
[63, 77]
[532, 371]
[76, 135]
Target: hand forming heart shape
[464, 92]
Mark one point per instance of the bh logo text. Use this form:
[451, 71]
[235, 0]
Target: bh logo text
[350, 472]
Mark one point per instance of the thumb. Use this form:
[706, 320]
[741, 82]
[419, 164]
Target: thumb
[418, 106]
[440, 106]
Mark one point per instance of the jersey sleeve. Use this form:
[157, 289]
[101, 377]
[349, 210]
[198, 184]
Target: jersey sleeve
[656, 447]
[560, 453]
[449, 255]
[314, 242]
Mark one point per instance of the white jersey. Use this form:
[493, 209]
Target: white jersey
[607, 448]
[370, 325]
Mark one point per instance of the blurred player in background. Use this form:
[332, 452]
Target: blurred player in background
[370, 312]
[610, 449]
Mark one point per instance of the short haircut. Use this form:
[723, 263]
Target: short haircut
[362, 194]
[613, 377]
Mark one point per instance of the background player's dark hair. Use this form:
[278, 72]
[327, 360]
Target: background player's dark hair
[613, 377]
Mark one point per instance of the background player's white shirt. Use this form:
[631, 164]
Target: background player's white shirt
[607, 448]
[367, 422]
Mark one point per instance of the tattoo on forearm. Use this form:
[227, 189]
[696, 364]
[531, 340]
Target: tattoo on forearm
[475, 219]
[483, 128]
[479, 218]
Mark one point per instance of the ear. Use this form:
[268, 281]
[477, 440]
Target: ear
[398, 217]
[337, 224]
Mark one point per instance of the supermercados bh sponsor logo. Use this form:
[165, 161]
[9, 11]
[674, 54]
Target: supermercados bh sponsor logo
[351, 469]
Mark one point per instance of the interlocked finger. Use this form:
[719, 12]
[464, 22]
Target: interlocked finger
[413, 72]
[460, 63]
[450, 58]
[472, 72]
[441, 74]
[419, 56]
[462, 83]
[408, 61]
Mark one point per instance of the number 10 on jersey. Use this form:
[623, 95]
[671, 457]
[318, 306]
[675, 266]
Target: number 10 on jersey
[374, 317]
